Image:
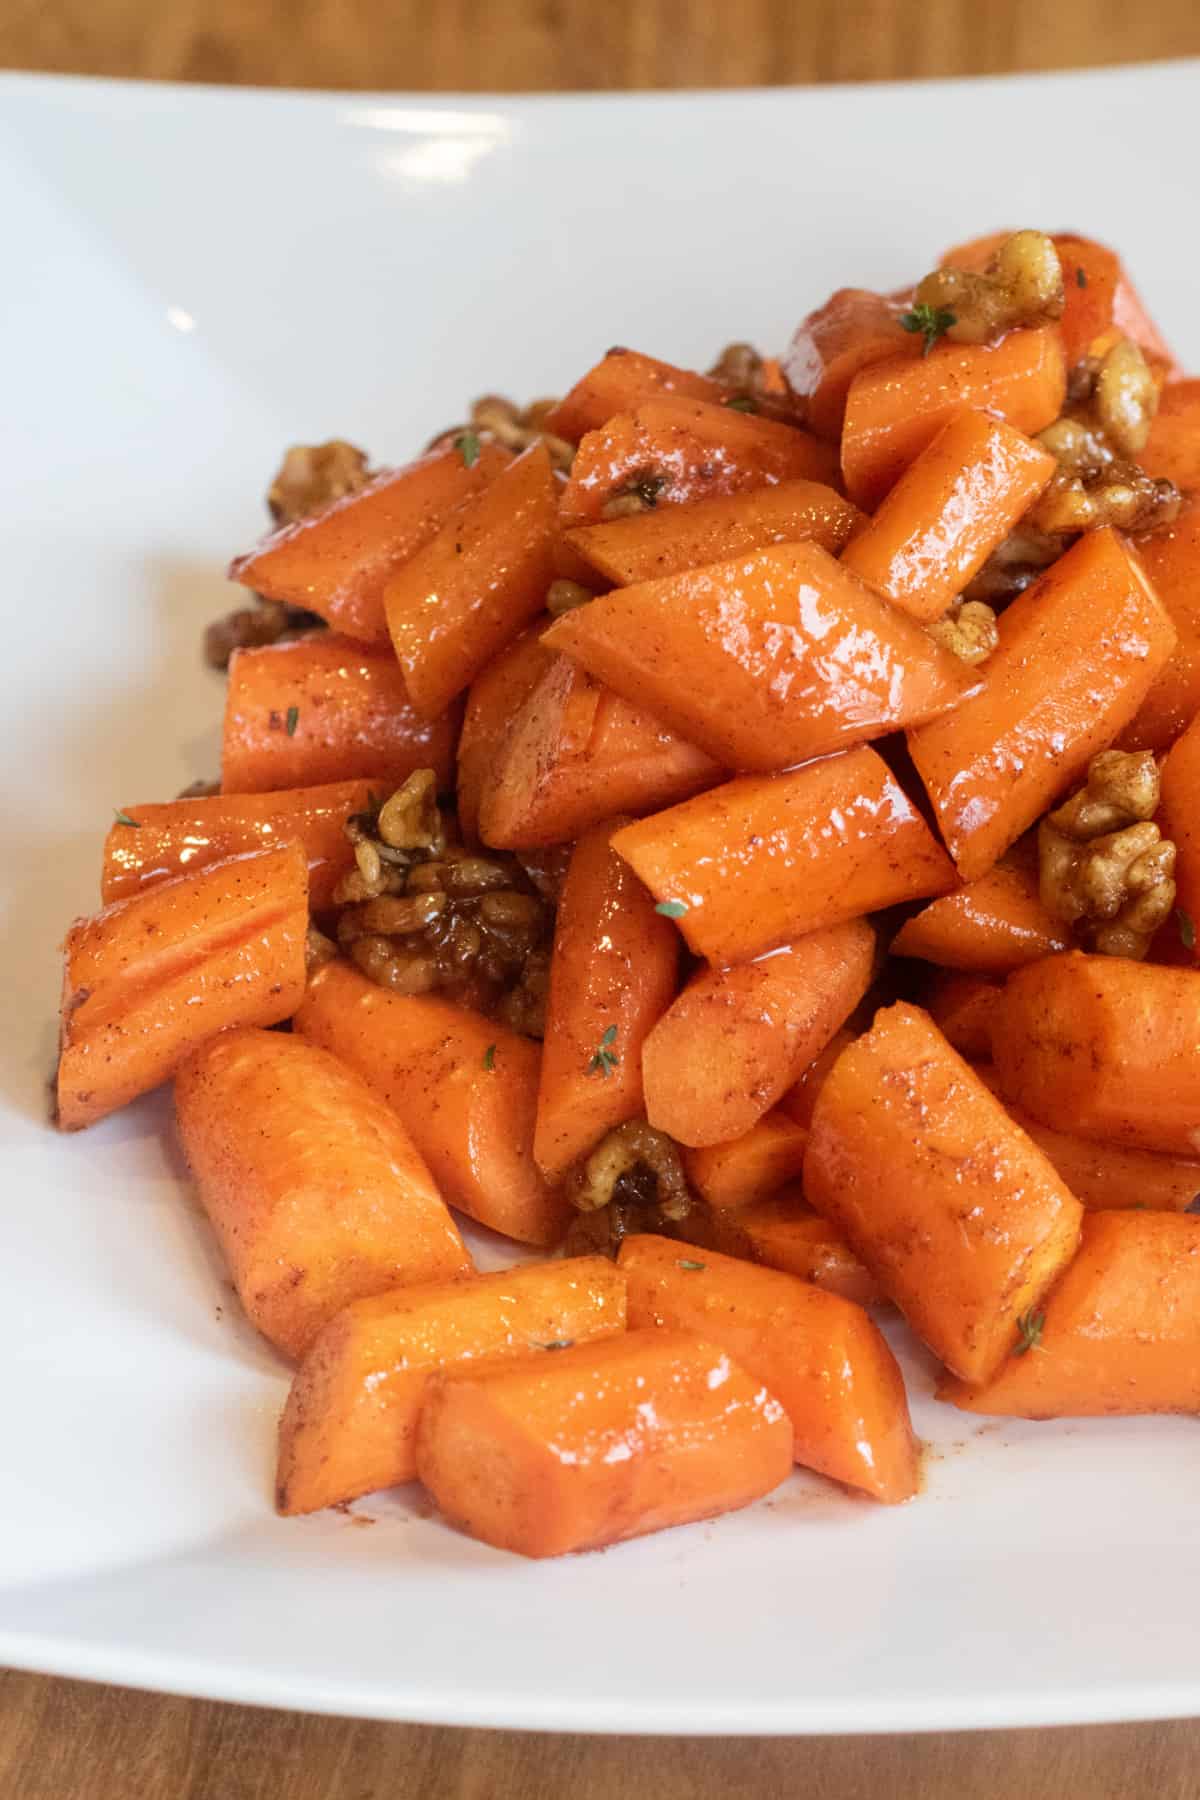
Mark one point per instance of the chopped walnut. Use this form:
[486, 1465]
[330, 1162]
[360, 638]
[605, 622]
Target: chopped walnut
[969, 630]
[564, 596]
[739, 366]
[250, 627]
[1014, 565]
[632, 1181]
[513, 426]
[1111, 406]
[318, 949]
[312, 476]
[199, 790]
[1023, 285]
[1105, 867]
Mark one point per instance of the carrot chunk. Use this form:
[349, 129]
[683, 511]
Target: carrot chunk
[961, 1219]
[1173, 450]
[151, 977]
[820, 1355]
[1181, 823]
[599, 1443]
[350, 1422]
[853, 329]
[963, 1007]
[784, 1232]
[750, 1167]
[1172, 561]
[986, 927]
[620, 382]
[496, 696]
[799, 1100]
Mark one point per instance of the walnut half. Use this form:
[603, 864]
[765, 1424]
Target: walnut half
[1104, 866]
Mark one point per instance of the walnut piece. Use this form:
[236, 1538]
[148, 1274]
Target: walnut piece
[1023, 285]
[968, 630]
[1104, 866]
[513, 426]
[1111, 407]
[312, 476]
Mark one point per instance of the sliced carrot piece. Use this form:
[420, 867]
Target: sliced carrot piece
[613, 973]
[680, 451]
[784, 1232]
[817, 1353]
[894, 409]
[1078, 653]
[736, 1039]
[496, 696]
[350, 1423]
[337, 563]
[986, 927]
[476, 585]
[1119, 1334]
[963, 1007]
[1172, 561]
[177, 837]
[465, 1087]
[576, 754]
[620, 382]
[799, 1100]
[766, 858]
[1173, 450]
[151, 977]
[750, 1167]
[958, 1215]
[949, 510]
[766, 660]
[322, 709]
[851, 331]
[599, 1443]
[1181, 823]
[315, 1190]
[669, 539]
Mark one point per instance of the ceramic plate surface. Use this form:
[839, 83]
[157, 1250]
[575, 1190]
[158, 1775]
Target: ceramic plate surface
[193, 279]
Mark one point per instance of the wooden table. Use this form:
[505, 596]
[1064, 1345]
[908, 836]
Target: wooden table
[63, 1740]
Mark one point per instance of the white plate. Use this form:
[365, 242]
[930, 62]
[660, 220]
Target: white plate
[192, 279]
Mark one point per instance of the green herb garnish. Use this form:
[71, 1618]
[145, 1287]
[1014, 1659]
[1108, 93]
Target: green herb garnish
[1187, 927]
[489, 1057]
[293, 719]
[605, 1060]
[467, 445]
[1029, 1328]
[123, 818]
[742, 403]
[931, 321]
[1080, 278]
[691, 1267]
[672, 909]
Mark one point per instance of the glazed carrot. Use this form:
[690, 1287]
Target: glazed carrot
[800, 1099]
[313, 1187]
[1109, 1177]
[851, 331]
[1078, 653]
[1173, 451]
[620, 382]
[151, 977]
[750, 1167]
[1107, 1046]
[963, 1007]
[1181, 823]
[464, 1086]
[767, 858]
[669, 539]
[496, 697]
[577, 753]
[736, 1039]
[894, 409]
[820, 1355]
[948, 512]
[473, 588]
[783, 1232]
[1102, 304]
[675, 452]
[177, 837]
[599, 1443]
[766, 660]
[986, 927]
[1119, 1334]
[350, 1423]
[338, 562]
[612, 975]
[961, 1219]
[1172, 561]
[325, 709]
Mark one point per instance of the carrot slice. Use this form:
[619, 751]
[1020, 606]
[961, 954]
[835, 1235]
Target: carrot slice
[669, 539]
[766, 858]
[987, 927]
[736, 1039]
[177, 837]
[476, 585]
[1078, 653]
[784, 1232]
[1172, 561]
[1173, 450]
[576, 754]
[680, 451]
[151, 977]
[1119, 1334]
[350, 1423]
[464, 1086]
[894, 409]
[750, 1167]
[322, 709]
[496, 697]
[315, 1190]
[600, 1442]
[851, 331]
[799, 1100]
[1107, 1046]
[612, 974]
[1181, 823]
[338, 562]
[817, 1353]
[948, 512]
[959, 1216]
[766, 660]
[620, 382]
[963, 1007]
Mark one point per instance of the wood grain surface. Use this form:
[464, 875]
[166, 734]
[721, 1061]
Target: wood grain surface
[62, 1740]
